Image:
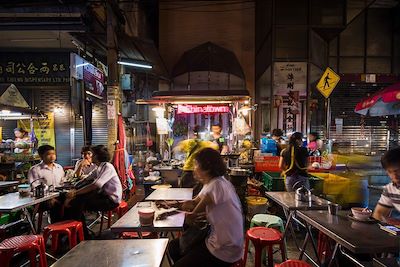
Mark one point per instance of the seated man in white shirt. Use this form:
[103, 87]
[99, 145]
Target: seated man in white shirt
[390, 197]
[85, 166]
[51, 174]
[103, 194]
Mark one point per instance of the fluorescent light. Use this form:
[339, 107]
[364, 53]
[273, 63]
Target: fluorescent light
[5, 111]
[94, 95]
[138, 65]
[81, 65]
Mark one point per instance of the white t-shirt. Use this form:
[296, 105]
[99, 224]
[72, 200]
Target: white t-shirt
[225, 217]
[43, 173]
[390, 197]
[107, 180]
[87, 169]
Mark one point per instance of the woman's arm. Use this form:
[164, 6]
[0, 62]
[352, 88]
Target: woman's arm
[282, 164]
[189, 205]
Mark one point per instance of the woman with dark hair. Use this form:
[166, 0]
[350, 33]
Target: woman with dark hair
[103, 194]
[293, 162]
[220, 203]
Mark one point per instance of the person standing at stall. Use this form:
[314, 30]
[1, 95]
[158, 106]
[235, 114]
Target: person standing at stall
[218, 139]
[294, 162]
[21, 137]
[191, 147]
[277, 137]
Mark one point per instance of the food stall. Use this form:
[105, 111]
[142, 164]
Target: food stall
[178, 113]
[17, 154]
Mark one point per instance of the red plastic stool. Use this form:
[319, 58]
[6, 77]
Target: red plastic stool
[34, 244]
[71, 228]
[262, 237]
[120, 210]
[293, 263]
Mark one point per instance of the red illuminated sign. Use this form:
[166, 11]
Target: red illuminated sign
[191, 109]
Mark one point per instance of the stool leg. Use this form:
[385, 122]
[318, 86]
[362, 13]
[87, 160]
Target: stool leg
[80, 233]
[5, 257]
[257, 256]
[70, 238]
[270, 256]
[42, 253]
[73, 237]
[109, 219]
[283, 250]
[54, 242]
[246, 251]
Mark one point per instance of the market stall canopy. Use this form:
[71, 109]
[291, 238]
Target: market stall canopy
[382, 103]
[208, 57]
[197, 96]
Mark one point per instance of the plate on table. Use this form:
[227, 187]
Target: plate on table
[369, 220]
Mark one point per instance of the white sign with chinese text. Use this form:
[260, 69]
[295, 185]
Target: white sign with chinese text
[290, 76]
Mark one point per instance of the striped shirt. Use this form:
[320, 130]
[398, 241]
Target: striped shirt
[390, 197]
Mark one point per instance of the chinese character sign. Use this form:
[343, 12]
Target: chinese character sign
[290, 76]
[34, 68]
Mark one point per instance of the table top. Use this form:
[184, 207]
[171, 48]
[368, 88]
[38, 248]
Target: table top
[5, 184]
[13, 201]
[130, 221]
[287, 201]
[357, 237]
[171, 194]
[115, 253]
[385, 262]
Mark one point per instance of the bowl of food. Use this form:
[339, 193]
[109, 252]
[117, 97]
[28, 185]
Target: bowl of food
[146, 216]
[361, 213]
[24, 189]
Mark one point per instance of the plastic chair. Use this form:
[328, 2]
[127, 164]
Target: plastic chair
[267, 220]
[120, 210]
[293, 263]
[71, 228]
[263, 237]
[33, 244]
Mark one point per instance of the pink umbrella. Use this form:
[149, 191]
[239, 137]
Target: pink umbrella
[382, 103]
[119, 154]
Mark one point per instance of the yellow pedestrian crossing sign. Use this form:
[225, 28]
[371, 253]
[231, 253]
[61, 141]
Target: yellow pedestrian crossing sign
[328, 82]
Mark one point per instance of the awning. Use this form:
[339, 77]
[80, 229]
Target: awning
[197, 97]
[382, 103]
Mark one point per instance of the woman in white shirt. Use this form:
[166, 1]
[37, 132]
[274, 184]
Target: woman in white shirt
[218, 199]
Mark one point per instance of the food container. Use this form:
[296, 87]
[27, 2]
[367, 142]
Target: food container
[146, 216]
[361, 213]
[24, 189]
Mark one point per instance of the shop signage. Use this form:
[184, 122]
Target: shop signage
[203, 109]
[44, 129]
[92, 76]
[290, 76]
[328, 82]
[34, 68]
[12, 97]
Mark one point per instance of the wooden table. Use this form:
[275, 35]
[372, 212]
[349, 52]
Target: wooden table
[356, 237]
[290, 206]
[130, 221]
[13, 202]
[171, 194]
[115, 253]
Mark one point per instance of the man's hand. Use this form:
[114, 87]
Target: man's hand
[188, 205]
[195, 218]
[84, 163]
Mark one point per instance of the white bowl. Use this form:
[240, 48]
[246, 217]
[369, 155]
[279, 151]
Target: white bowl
[361, 213]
